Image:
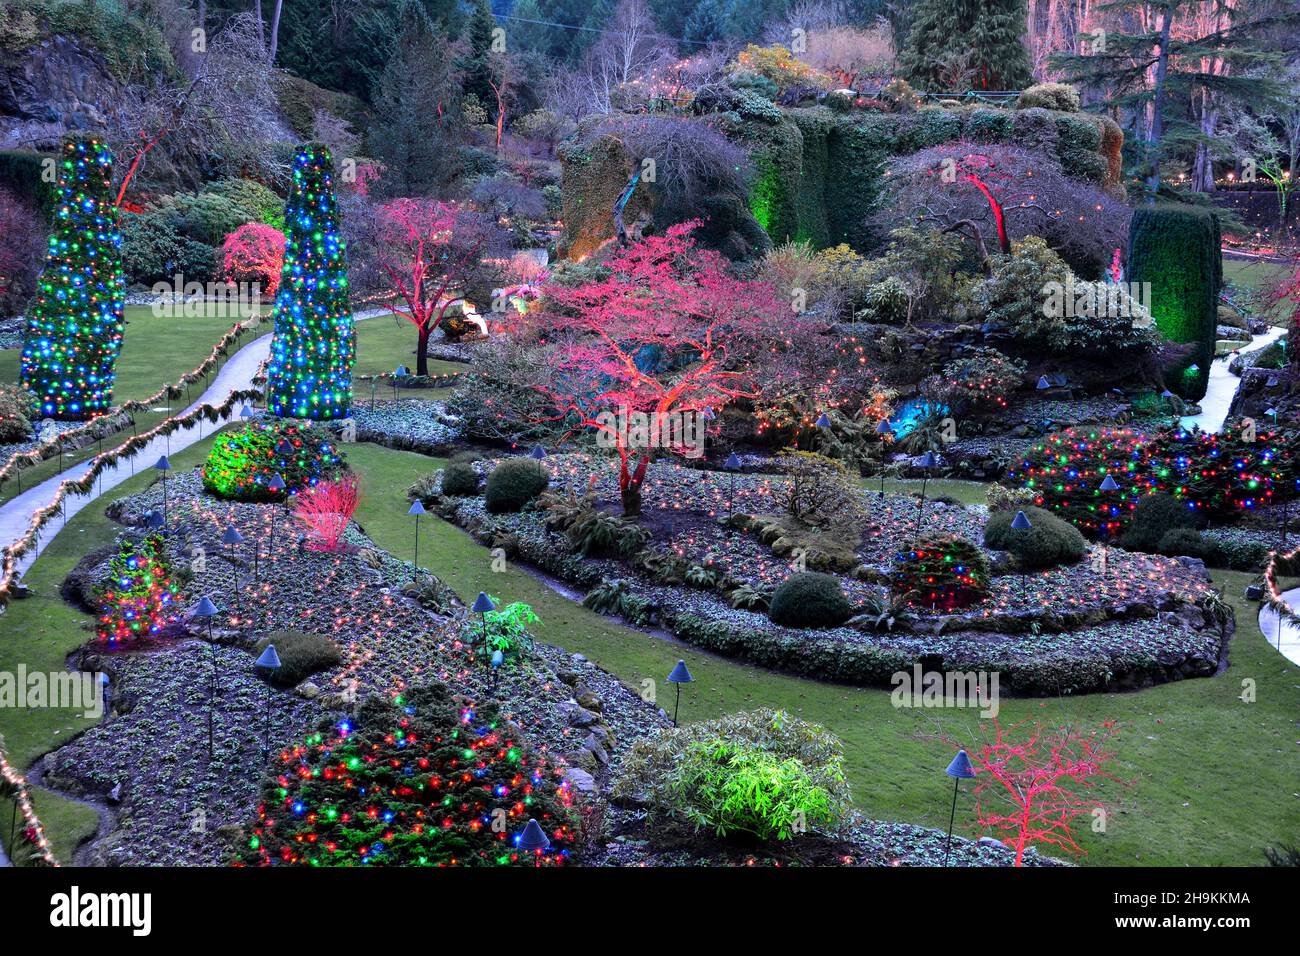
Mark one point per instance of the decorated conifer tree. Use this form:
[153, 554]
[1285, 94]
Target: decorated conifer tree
[310, 374]
[74, 326]
[138, 597]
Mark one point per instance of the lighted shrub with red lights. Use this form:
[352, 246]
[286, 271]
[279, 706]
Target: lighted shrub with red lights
[1068, 469]
[979, 382]
[243, 463]
[1218, 476]
[417, 780]
[138, 597]
[944, 572]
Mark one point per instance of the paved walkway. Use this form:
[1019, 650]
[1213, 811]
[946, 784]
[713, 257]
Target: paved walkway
[1222, 386]
[16, 514]
[1288, 642]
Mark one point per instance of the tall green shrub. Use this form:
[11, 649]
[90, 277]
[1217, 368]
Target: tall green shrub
[1177, 250]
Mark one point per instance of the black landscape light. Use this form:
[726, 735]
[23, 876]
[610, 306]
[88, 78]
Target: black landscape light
[732, 464]
[481, 607]
[416, 509]
[679, 676]
[886, 432]
[268, 663]
[960, 769]
[162, 465]
[205, 610]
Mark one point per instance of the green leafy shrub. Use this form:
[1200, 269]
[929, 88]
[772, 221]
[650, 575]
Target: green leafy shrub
[809, 599]
[729, 788]
[1155, 516]
[944, 572]
[615, 597]
[16, 407]
[154, 250]
[1050, 96]
[595, 533]
[459, 479]
[507, 628]
[513, 484]
[1188, 542]
[763, 746]
[243, 462]
[746, 597]
[1013, 295]
[253, 199]
[301, 655]
[979, 382]
[369, 790]
[1048, 542]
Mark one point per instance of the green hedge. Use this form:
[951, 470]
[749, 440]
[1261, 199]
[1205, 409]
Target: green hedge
[20, 170]
[1177, 250]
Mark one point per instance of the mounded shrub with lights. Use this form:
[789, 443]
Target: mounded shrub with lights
[1068, 469]
[413, 781]
[513, 484]
[139, 596]
[1047, 542]
[809, 599]
[459, 478]
[1155, 516]
[243, 463]
[943, 571]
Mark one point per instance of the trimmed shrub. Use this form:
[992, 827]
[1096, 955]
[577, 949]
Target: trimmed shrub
[653, 775]
[242, 463]
[301, 655]
[1177, 250]
[1048, 542]
[1155, 516]
[389, 788]
[513, 484]
[261, 205]
[944, 572]
[460, 479]
[154, 250]
[809, 599]
[1188, 542]
[1050, 96]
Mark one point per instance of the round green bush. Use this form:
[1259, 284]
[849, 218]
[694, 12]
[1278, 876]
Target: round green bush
[243, 462]
[1048, 542]
[459, 478]
[809, 599]
[1051, 96]
[301, 655]
[1190, 543]
[1154, 517]
[514, 483]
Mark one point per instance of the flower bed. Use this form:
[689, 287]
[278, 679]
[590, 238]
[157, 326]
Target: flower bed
[415, 425]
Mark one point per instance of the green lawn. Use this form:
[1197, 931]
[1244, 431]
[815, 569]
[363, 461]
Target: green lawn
[385, 342]
[1213, 777]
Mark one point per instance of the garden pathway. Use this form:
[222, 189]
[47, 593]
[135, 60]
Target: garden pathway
[1222, 387]
[1288, 642]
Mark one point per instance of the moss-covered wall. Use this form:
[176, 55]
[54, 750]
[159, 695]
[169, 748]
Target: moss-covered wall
[818, 173]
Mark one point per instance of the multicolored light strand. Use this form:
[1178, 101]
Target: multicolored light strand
[74, 327]
[139, 597]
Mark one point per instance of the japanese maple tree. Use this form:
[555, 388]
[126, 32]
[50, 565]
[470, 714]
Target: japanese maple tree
[325, 510]
[431, 253]
[667, 329]
[1033, 782]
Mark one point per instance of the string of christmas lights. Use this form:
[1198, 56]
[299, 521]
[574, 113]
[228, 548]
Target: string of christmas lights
[139, 597]
[314, 347]
[75, 324]
[33, 829]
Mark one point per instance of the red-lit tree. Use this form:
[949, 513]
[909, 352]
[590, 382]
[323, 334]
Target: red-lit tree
[668, 331]
[254, 253]
[1033, 782]
[325, 510]
[432, 254]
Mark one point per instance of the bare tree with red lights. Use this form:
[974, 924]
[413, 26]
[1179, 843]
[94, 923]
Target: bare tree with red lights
[668, 330]
[431, 254]
[325, 510]
[1033, 782]
[993, 194]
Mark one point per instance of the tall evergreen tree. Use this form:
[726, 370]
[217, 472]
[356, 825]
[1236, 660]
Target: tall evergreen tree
[74, 329]
[476, 69]
[956, 45]
[312, 351]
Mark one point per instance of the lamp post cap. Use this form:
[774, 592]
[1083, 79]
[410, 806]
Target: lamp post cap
[1109, 484]
[533, 838]
[232, 536]
[732, 463]
[417, 507]
[823, 420]
[961, 766]
[269, 659]
[205, 608]
[1021, 522]
[680, 674]
[162, 464]
[277, 484]
[483, 604]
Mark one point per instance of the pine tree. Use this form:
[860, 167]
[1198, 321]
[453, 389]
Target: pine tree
[138, 597]
[312, 352]
[74, 329]
[479, 32]
[956, 45]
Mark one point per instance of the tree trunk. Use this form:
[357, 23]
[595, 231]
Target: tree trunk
[422, 350]
[275, 30]
[631, 500]
[1157, 92]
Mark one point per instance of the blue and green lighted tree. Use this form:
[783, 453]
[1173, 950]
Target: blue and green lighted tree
[312, 351]
[74, 327]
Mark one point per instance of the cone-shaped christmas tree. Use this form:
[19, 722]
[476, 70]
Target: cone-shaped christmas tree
[310, 375]
[138, 598]
[74, 327]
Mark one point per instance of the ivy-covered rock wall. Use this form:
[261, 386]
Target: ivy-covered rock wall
[819, 172]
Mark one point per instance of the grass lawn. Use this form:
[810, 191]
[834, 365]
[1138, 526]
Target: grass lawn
[1255, 274]
[385, 342]
[39, 633]
[155, 351]
[1213, 777]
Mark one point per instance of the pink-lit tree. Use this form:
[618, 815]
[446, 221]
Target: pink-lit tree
[668, 332]
[254, 253]
[1033, 782]
[432, 253]
[325, 510]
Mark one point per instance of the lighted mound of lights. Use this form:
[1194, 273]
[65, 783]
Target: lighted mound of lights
[943, 572]
[139, 597]
[243, 464]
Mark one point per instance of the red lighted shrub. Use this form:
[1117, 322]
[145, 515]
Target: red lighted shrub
[325, 510]
[254, 253]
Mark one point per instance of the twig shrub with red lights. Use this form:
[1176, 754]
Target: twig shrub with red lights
[138, 597]
[417, 780]
[667, 330]
[254, 253]
[242, 463]
[942, 571]
[325, 510]
[1033, 782]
